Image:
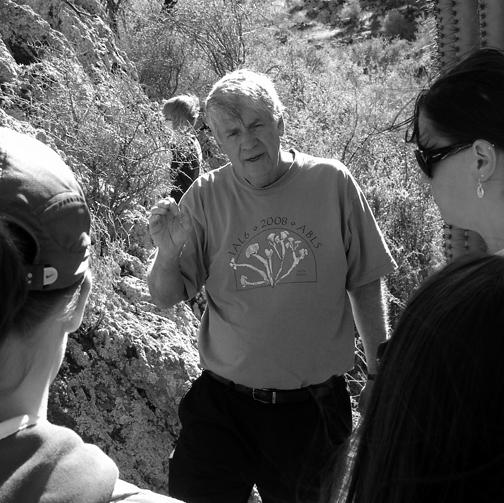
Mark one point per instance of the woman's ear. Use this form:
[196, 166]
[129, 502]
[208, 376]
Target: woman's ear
[485, 160]
[75, 317]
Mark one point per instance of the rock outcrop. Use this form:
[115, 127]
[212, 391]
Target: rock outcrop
[31, 27]
[125, 372]
[128, 366]
[8, 66]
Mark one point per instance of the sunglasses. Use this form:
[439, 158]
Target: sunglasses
[427, 157]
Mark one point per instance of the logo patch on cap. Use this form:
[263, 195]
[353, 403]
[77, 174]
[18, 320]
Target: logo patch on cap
[50, 276]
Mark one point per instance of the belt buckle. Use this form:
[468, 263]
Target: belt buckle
[257, 399]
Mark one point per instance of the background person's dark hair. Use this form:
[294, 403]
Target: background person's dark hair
[433, 429]
[467, 102]
[19, 307]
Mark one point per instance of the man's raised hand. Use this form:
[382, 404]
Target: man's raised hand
[169, 226]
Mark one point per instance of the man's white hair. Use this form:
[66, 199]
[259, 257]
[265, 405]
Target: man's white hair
[243, 87]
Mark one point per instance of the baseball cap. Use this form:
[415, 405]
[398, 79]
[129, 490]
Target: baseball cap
[39, 193]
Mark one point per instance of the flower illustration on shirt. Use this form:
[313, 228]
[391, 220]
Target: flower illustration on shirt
[280, 257]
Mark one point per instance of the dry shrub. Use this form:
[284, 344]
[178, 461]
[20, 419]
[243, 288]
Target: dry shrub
[160, 56]
[351, 10]
[187, 47]
[110, 134]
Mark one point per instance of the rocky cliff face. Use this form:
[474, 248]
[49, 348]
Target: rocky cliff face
[129, 365]
[76, 27]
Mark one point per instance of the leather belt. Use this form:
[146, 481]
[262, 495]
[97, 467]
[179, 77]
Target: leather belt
[277, 396]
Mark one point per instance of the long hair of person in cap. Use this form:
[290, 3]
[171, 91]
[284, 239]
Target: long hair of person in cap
[21, 309]
[432, 431]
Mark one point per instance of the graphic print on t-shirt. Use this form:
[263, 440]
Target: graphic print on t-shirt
[274, 255]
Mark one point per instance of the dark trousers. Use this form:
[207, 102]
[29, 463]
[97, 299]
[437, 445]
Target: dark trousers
[229, 442]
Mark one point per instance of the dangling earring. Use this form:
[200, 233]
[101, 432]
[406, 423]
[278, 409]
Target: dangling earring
[479, 190]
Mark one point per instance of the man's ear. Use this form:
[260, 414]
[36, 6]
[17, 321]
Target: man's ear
[75, 317]
[281, 126]
[485, 160]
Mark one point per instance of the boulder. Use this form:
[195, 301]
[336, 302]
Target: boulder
[8, 66]
[124, 374]
[31, 27]
[26, 34]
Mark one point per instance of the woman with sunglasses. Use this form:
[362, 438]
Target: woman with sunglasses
[458, 127]
[432, 431]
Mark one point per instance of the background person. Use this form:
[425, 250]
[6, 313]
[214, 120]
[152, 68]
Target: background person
[44, 285]
[182, 112]
[290, 255]
[458, 126]
[432, 431]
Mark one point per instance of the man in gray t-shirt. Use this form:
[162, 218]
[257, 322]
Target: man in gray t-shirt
[291, 256]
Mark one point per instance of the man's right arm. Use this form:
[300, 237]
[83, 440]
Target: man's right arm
[169, 229]
[165, 282]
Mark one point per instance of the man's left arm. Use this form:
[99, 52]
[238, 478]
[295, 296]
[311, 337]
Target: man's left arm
[370, 316]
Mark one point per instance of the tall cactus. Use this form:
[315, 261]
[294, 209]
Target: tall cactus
[463, 26]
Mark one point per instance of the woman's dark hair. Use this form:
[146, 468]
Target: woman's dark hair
[433, 430]
[467, 102]
[19, 307]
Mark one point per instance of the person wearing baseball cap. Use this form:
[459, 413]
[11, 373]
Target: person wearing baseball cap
[45, 281]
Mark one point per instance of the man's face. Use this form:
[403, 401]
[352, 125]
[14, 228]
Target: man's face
[251, 140]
